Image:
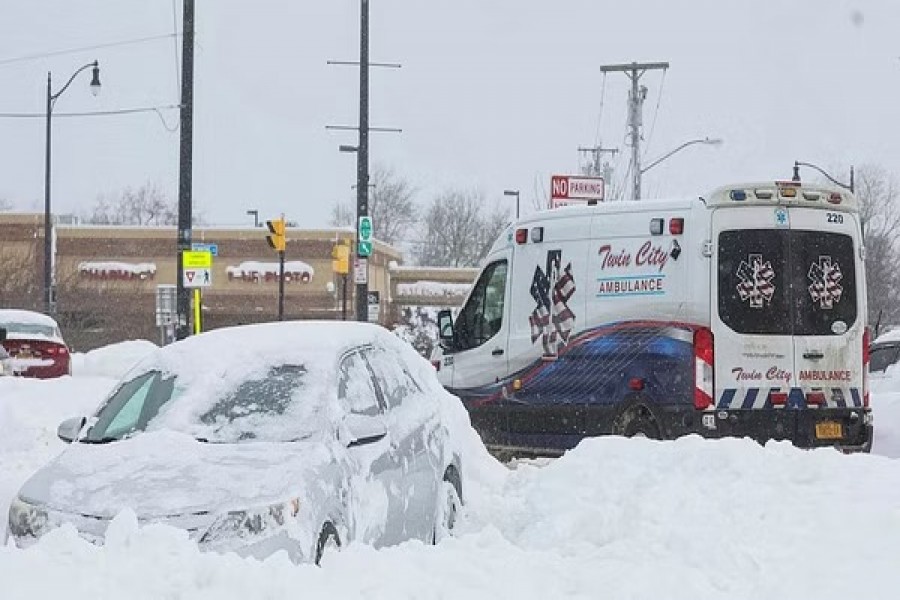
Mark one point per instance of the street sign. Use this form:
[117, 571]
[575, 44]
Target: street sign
[203, 247]
[374, 306]
[364, 236]
[567, 190]
[196, 259]
[197, 277]
[361, 270]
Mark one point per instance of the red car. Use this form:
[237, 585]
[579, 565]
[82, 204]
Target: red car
[35, 344]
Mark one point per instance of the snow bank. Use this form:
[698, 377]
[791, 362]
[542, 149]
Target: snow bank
[111, 361]
[433, 288]
[885, 394]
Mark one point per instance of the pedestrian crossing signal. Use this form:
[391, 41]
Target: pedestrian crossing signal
[276, 239]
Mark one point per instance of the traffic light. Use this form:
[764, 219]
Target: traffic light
[276, 239]
[340, 254]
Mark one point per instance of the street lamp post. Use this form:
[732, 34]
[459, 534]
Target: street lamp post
[255, 214]
[706, 140]
[796, 177]
[49, 305]
[516, 194]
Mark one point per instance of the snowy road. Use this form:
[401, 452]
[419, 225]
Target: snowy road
[614, 518]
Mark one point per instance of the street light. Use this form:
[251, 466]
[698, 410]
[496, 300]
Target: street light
[516, 194]
[708, 141]
[48, 247]
[796, 177]
[255, 214]
[348, 148]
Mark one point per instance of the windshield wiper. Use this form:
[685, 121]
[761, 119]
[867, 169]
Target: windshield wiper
[103, 440]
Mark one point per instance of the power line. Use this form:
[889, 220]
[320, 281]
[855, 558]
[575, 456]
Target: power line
[29, 57]
[97, 113]
[662, 86]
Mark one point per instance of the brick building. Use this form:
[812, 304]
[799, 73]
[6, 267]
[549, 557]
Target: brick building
[106, 276]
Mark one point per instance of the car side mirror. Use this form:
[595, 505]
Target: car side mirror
[359, 430]
[69, 429]
[2, 334]
[445, 327]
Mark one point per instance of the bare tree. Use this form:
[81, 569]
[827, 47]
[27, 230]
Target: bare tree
[5, 205]
[146, 205]
[878, 192]
[391, 206]
[458, 229]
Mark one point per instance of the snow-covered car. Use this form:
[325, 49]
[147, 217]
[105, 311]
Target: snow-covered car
[301, 437]
[884, 352]
[35, 343]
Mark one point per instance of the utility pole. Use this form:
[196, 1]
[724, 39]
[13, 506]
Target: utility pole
[595, 169]
[185, 168]
[636, 97]
[363, 247]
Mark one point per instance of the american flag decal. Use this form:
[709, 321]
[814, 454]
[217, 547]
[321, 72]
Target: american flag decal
[756, 281]
[826, 288]
[552, 320]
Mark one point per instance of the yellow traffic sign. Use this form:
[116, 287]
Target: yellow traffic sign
[196, 259]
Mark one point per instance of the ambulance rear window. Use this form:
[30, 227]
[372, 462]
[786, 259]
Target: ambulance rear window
[786, 282]
[753, 281]
[824, 282]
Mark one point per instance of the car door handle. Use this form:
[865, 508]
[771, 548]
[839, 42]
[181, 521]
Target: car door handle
[497, 352]
[813, 355]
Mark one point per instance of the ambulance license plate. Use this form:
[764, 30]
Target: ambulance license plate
[829, 430]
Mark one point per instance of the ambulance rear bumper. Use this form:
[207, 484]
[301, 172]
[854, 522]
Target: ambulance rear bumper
[810, 428]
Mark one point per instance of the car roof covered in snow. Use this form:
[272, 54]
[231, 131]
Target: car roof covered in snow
[12, 315]
[246, 349]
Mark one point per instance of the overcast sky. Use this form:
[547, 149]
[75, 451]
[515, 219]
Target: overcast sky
[493, 94]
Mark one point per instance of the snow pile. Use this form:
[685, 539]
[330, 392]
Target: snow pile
[111, 361]
[256, 271]
[30, 411]
[885, 394]
[434, 288]
[117, 270]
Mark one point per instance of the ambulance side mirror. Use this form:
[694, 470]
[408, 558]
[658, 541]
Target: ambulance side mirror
[445, 327]
[2, 334]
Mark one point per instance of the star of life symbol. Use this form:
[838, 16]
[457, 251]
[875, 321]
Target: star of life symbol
[756, 285]
[552, 320]
[825, 288]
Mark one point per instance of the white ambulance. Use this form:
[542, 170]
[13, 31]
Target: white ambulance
[742, 313]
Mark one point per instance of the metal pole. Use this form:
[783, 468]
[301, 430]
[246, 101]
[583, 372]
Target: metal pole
[48, 248]
[362, 155]
[344, 303]
[185, 167]
[281, 286]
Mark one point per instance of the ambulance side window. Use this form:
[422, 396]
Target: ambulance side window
[482, 316]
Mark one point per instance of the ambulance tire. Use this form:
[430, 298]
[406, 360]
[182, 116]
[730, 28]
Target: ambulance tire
[643, 426]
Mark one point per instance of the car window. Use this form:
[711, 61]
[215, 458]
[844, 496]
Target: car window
[824, 282]
[393, 378]
[240, 415]
[131, 407]
[482, 316]
[881, 358]
[355, 386]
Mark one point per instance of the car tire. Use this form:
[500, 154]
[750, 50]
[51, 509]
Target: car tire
[449, 506]
[328, 541]
[643, 426]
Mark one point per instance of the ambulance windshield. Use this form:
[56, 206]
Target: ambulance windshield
[786, 282]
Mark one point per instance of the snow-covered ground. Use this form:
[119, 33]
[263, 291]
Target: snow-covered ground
[614, 518]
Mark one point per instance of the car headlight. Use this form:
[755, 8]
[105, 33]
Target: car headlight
[250, 523]
[26, 520]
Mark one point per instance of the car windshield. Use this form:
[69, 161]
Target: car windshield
[279, 405]
[30, 329]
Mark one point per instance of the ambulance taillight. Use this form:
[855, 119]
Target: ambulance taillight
[704, 361]
[867, 339]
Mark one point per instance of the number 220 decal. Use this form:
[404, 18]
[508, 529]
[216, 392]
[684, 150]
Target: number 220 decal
[835, 217]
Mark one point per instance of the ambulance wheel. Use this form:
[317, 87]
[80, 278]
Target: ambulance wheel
[643, 426]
